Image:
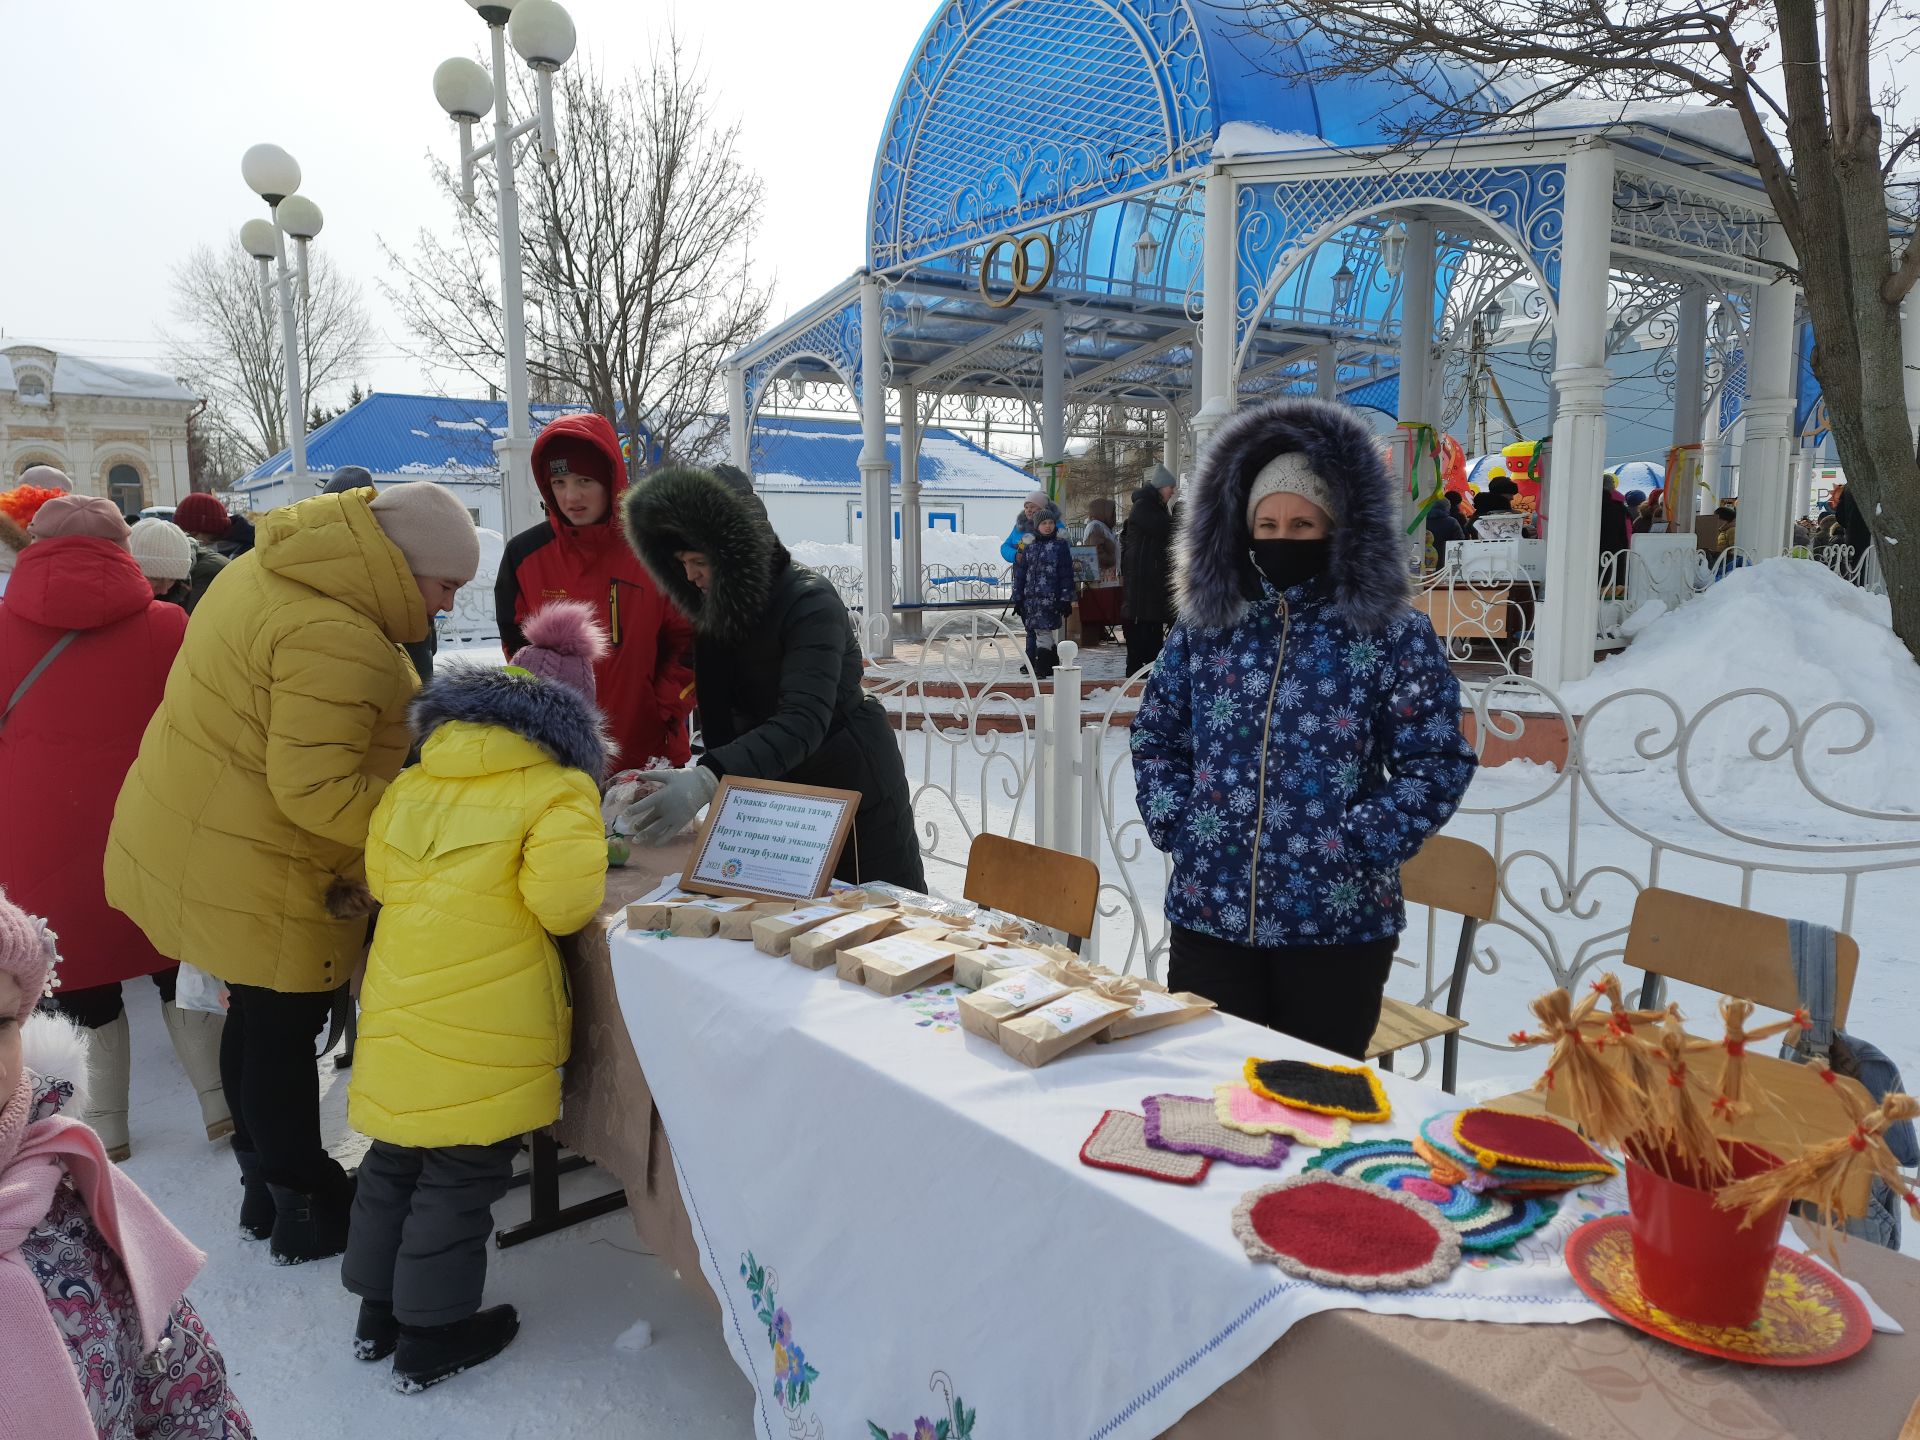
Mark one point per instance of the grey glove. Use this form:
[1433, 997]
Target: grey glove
[657, 818]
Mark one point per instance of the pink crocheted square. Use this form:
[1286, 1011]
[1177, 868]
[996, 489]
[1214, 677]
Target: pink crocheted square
[1238, 1108]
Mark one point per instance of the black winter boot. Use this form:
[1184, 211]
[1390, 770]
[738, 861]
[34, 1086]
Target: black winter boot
[256, 1200]
[310, 1225]
[428, 1354]
[377, 1333]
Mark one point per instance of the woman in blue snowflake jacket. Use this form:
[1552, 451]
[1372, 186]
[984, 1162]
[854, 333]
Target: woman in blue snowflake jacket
[1300, 736]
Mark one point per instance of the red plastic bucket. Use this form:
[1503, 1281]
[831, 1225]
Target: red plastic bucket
[1693, 1259]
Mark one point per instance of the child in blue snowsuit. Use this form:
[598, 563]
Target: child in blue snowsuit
[1043, 590]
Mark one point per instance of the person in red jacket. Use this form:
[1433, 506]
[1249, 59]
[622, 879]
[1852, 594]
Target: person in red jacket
[79, 610]
[645, 680]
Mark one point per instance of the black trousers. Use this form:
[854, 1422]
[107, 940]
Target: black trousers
[1327, 995]
[420, 1222]
[1143, 643]
[101, 1005]
[268, 1070]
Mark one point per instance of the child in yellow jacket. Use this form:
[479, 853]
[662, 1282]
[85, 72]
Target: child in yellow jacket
[480, 855]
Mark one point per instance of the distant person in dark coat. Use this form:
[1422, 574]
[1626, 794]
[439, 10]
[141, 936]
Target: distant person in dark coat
[1146, 573]
[778, 671]
[207, 521]
[420, 652]
[1496, 499]
[1445, 528]
[1853, 525]
[1616, 532]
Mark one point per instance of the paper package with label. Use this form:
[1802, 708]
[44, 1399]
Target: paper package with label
[775, 934]
[901, 963]
[699, 919]
[738, 924]
[1156, 1008]
[1050, 1030]
[977, 969]
[1006, 995]
[658, 914]
[903, 927]
[821, 946]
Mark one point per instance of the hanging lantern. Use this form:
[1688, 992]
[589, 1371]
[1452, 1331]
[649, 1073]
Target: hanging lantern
[1146, 250]
[1343, 280]
[1493, 316]
[1393, 249]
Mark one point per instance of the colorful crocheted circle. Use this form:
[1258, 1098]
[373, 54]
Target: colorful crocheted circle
[1496, 1137]
[1350, 1090]
[1343, 1232]
[1485, 1221]
[1453, 1164]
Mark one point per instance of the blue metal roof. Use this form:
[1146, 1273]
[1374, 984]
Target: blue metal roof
[826, 451]
[407, 435]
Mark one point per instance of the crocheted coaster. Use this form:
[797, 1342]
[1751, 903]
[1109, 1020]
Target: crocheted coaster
[1187, 1125]
[1119, 1142]
[1350, 1090]
[1451, 1162]
[1485, 1221]
[1495, 1138]
[1238, 1108]
[1343, 1232]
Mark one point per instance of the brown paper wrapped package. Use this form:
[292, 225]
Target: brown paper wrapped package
[905, 962]
[658, 914]
[982, 1013]
[1156, 1009]
[1034, 1039]
[738, 924]
[820, 946]
[701, 919]
[977, 970]
[775, 934]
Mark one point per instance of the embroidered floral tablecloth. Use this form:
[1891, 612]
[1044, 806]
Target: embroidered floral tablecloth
[904, 1244]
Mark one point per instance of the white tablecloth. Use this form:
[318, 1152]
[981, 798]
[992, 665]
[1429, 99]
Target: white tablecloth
[897, 1223]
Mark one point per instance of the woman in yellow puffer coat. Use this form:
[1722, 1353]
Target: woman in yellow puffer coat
[479, 855]
[238, 837]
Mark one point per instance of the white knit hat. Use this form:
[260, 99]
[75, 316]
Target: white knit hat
[1289, 474]
[161, 549]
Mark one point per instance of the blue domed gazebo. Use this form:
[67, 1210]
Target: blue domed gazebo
[1144, 202]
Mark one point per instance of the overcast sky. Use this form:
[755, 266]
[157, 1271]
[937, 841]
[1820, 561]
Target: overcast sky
[127, 121]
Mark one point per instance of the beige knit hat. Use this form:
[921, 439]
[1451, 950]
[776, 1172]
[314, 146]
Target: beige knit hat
[429, 525]
[162, 549]
[88, 515]
[1289, 474]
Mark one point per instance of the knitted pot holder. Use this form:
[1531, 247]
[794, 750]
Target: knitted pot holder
[1495, 1138]
[1186, 1125]
[1238, 1108]
[1452, 1163]
[1350, 1090]
[1119, 1142]
[1485, 1221]
[1338, 1231]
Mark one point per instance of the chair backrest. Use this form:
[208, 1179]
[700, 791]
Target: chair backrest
[1455, 875]
[1048, 887]
[1724, 948]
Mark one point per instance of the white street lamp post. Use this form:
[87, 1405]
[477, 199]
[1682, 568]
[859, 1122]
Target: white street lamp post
[274, 175]
[542, 31]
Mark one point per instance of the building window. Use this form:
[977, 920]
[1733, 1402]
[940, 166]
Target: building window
[126, 488]
[30, 388]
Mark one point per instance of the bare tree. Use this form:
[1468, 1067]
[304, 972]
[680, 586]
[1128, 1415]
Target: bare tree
[638, 259]
[228, 346]
[1817, 138]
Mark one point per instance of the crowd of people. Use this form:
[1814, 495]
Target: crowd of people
[241, 760]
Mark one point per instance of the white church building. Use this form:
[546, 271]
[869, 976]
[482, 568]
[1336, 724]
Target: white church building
[116, 431]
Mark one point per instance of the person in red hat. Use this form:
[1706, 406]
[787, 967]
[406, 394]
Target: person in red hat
[645, 679]
[207, 521]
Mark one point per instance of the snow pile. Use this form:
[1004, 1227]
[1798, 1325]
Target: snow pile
[1786, 626]
[937, 547]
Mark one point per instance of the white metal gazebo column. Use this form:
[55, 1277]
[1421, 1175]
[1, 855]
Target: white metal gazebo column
[912, 527]
[876, 475]
[1766, 451]
[739, 430]
[1218, 309]
[1416, 333]
[1326, 372]
[1053, 392]
[1569, 611]
[1689, 383]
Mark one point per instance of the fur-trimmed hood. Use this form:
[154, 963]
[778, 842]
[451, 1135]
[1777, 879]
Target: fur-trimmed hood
[543, 712]
[687, 509]
[1367, 570]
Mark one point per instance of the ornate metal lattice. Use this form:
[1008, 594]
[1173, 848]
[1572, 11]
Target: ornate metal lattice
[834, 340]
[1653, 215]
[1011, 114]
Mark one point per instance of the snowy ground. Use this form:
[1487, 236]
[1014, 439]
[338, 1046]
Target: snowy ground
[286, 1333]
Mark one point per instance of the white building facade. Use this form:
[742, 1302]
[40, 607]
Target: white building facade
[115, 431]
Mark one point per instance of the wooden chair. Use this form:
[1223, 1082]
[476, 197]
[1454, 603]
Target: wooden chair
[1736, 952]
[1461, 878]
[1048, 887]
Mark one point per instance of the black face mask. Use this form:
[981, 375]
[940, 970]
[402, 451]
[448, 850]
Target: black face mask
[1287, 563]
